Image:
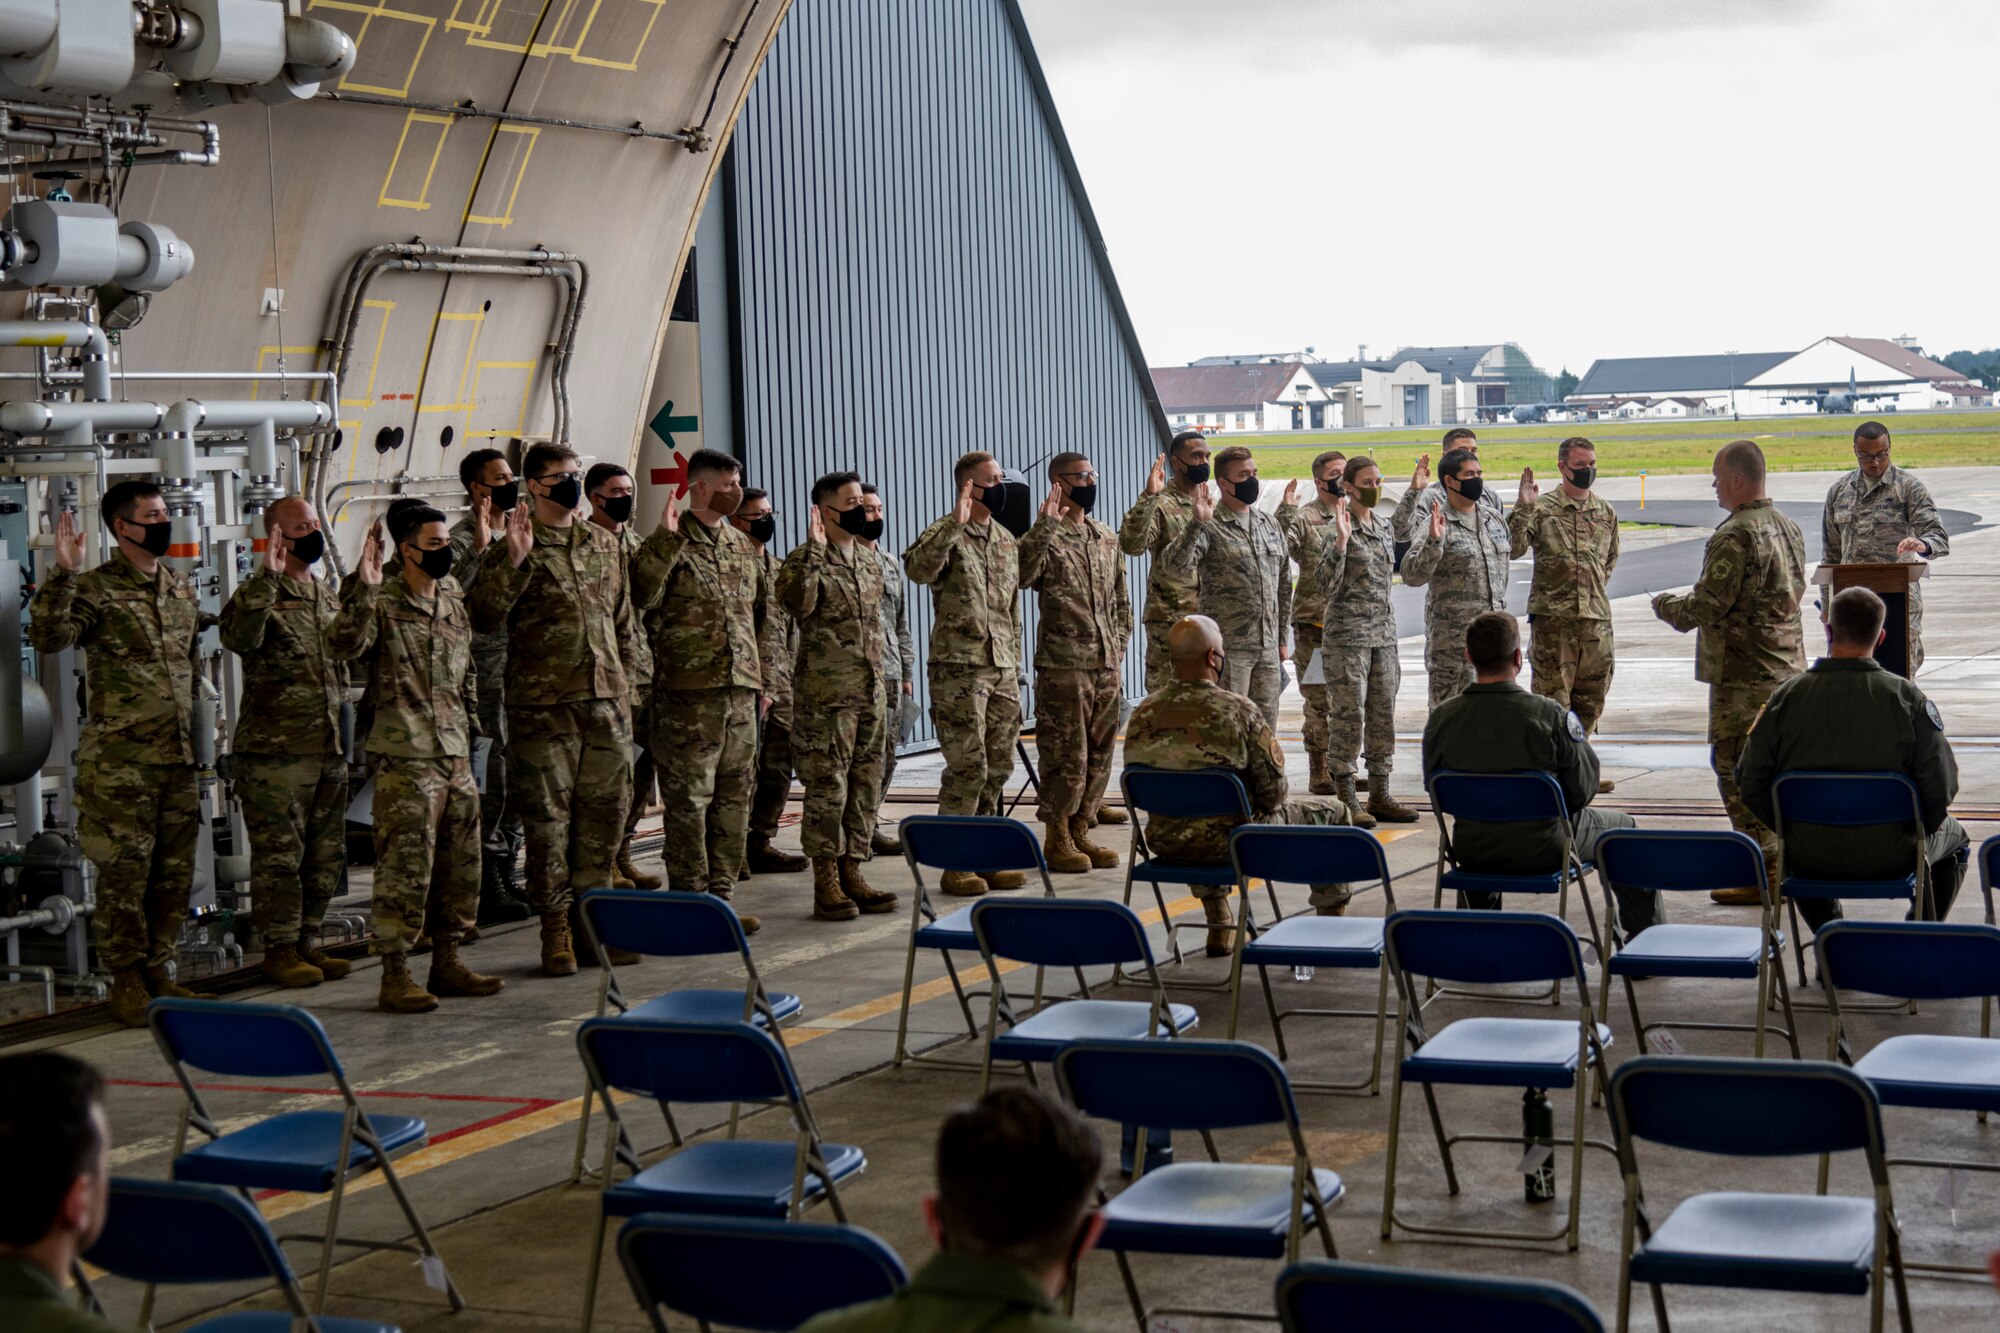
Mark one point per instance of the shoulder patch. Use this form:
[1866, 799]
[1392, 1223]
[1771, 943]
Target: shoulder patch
[1755, 720]
[1575, 727]
[1931, 712]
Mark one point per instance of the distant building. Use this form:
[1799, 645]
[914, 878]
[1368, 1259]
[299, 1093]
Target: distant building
[1480, 375]
[1623, 386]
[1889, 375]
[1226, 395]
[1382, 393]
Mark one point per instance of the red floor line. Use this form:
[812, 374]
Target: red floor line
[532, 1103]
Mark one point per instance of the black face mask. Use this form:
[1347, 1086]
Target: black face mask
[1581, 477]
[763, 528]
[159, 536]
[504, 498]
[436, 563]
[1471, 488]
[566, 491]
[1245, 490]
[1331, 486]
[853, 521]
[1085, 497]
[994, 497]
[617, 508]
[1195, 474]
[309, 548]
[873, 529]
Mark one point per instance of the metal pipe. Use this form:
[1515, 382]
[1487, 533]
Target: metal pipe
[636, 130]
[12, 729]
[66, 333]
[210, 154]
[45, 418]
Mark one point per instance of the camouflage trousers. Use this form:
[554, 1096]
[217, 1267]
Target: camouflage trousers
[643, 785]
[426, 850]
[839, 753]
[977, 713]
[705, 745]
[776, 758]
[1258, 675]
[1076, 730]
[498, 825]
[295, 813]
[570, 777]
[1731, 711]
[893, 692]
[1319, 810]
[1572, 664]
[1159, 667]
[1305, 642]
[138, 823]
[1361, 685]
[1444, 657]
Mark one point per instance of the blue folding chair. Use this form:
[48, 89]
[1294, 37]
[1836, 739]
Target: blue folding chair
[1884, 802]
[720, 1269]
[1693, 861]
[659, 924]
[970, 844]
[1280, 853]
[1322, 1296]
[1759, 1242]
[1989, 859]
[1489, 948]
[1074, 933]
[1157, 793]
[706, 1064]
[1921, 960]
[313, 1152]
[1215, 1209]
[1527, 797]
[165, 1231]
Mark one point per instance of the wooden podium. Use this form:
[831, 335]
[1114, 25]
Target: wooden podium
[1893, 583]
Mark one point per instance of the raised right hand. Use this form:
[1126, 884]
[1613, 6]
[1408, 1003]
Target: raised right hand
[1422, 476]
[1529, 491]
[370, 568]
[1052, 507]
[1343, 523]
[815, 526]
[275, 547]
[520, 535]
[964, 511]
[482, 522]
[1204, 503]
[1156, 479]
[1437, 522]
[670, 517]
[69, 542]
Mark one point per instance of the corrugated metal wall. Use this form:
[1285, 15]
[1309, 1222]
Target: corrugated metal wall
[917, 273]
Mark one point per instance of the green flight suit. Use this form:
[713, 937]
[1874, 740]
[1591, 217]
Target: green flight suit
[32, 1301]
[956, 1291]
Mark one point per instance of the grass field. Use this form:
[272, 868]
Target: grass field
[1791, 444]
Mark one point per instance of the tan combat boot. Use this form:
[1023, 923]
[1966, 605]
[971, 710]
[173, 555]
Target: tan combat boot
[558, 950]
[1386, 808]
[129, 997]
[1344, 789]
[1101, 857]
[163, 986]
[829, 903]
[1361, 782]
[638, 878]
[450, 976]
[1221, 929]
[400, 993]
[961, 884]
[885, 844]
[330, 968]
[1062, 855]
[1002, 880]
[765, 857]
[1321, 781]
[1108, 814]
[283, 966]
[751, 925]
[870, 900]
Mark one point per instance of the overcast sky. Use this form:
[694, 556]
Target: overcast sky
[1585, 177]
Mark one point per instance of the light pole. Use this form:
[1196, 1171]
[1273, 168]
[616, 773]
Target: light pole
[1731, 354]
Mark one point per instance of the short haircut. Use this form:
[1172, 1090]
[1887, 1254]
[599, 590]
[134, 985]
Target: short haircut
[1454, 462]
[1491, 641]
[713, 460]
[1235, 453]
[754, 493]
[1016, 1171]
[1064, 461]
[832, 482]
[277, 507]
[472, 467]
[1744, 458]
[1330, 456]
[1356, 465]
[967, 464]
[545, 456]
[1457, 433]
[121, 499]
[600, 473]
[868, 488]
[1870, 430]
[401, 504]
[403, 523]
[1573, 442]
[1856, 617]
[1185, 437]
[48, 1138]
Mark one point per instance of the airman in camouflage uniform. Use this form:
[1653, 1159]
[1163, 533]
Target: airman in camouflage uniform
[899, 657]
[1238, 554]
[1078, 574]
[776, 757]
[1357, 567]
[832, 585]
[557, 587]
[1422, 495]
[137, 807]
[709, 581]
[1749, 640]
[1302, 540]
[1879, 514]
[416, 635]
[1461, 558]
[290, 774]
[1574, 535]
[610, 491]
[1196, 722]
[1163, 510]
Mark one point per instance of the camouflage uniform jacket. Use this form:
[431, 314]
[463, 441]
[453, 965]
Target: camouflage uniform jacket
[1745, 606]
[900, 663]
[639, 646]
[292, 683]
[1245, 576]
[779, 646]
[1198, 724]
[490, 649]
[1078, 574]
[715, 601]
[1303, 531]
[420, 675]
[974, 573]
[1576, 547]
[1865, 519]
[1466, 569]
[1413, 510]
[566, 612]
[836, 597]
[1151, 526]
[1357, 579]
[139, 632]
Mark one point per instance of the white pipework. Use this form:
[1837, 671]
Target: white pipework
[66, 333]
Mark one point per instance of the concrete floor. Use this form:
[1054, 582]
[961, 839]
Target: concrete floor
[498, 1079]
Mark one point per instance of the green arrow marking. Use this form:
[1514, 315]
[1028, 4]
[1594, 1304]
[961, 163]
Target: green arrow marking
[665, 423]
